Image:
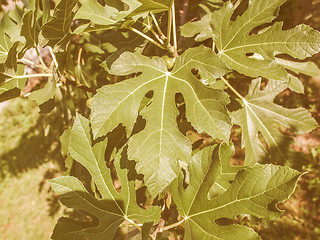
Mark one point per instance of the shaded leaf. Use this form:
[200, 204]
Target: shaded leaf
[201, 29]
[154, 6]
[159, 146]
[57, 29]
[259, 115]
[255, 190]
[9, 81]
[28, 29]
[44, 94]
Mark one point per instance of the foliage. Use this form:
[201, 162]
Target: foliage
[133, 144]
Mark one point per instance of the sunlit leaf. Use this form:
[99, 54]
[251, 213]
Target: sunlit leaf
[255, 190]
[159, 146]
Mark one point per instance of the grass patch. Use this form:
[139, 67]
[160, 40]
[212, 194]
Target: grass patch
[26, 206]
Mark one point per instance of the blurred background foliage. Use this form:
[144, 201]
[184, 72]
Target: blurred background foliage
[30, 146]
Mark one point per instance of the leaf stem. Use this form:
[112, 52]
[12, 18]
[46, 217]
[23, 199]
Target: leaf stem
[173, 225]
[146, 37]
[175, 42]
[233, 89]
[31, 75]
[156, 35]
[31, 63]
[162, 36]
[53, 57]
[75, 83]
[28, 76]
[133, 223]
[40, 58]
[237, 3]
[169, 27]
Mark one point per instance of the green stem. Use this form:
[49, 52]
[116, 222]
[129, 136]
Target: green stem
[40, 58]
[31, 75]
[146, 37]
[233, 89]
[53, 57]
[175, 43]
[27, 61]
[173, 225]
[162, 36]
[156, 35]
[169, 26]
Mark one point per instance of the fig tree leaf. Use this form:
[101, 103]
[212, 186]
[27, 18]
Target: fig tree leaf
[308, 68]
[226, 173]
[113, 208]
[105, 17]
[46, 11]
[9, 39]
[96, 13]
[259, 114]
[154, 6]
[159, 146]
[10, 79]
[57, 29]
[255, 190]
[28, 29]
[201, 29]
[42, 95]
[235, 43]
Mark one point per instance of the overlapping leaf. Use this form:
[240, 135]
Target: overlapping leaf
[113, 208]
[10, 83]
[96, 13]
[113, 16]
[157, 148]
[44, 94]
[28, 29]
[57, 30]
[255, 190]
[235, 44]
[154, 6]
[259, 115]
[9, 38]
[201, 29]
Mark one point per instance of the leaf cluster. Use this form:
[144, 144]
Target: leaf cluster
[132, 140]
